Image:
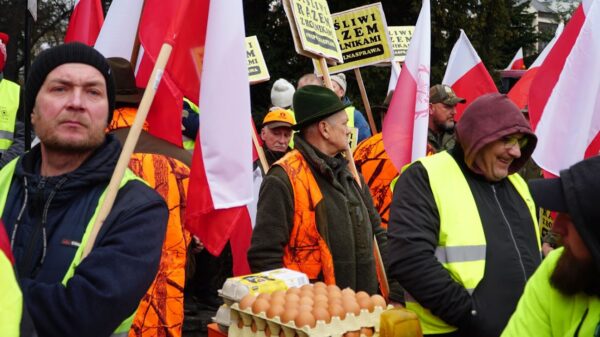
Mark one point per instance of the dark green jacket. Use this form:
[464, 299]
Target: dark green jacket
[441, 142]
[346, 219]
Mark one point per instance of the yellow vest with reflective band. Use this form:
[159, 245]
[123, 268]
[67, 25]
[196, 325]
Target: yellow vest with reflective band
[9, 104]
[461, 242]
[189, 144]
[11, 298]
[350, 113]
[6, 175]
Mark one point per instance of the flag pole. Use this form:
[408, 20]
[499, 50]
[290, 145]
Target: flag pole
[347, 152]
[365, 99]
[128, 147]
[136, 41]
[260, 151]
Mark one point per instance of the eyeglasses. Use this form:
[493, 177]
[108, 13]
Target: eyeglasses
[510, 141]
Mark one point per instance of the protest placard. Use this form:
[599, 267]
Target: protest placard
[400, 36]
[257, 68]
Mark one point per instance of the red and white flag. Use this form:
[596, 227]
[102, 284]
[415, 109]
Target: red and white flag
[405, 124]
[517, 63]
[221, 185]
[564, 97]
[85, 22]
[466, 74]
[519, 93]
[118, 33]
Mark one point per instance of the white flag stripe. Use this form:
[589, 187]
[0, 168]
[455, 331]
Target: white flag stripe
[418, 59]
[225, 129]
[117, 35]
[462, 59]
[571, 118]
[540, 59]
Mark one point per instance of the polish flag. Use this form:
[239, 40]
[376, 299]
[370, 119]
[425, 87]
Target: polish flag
[517, 62]
[466, 74]
[519, 93]
[85, 22]
[405, 124]
[564, 97]
[221, 182]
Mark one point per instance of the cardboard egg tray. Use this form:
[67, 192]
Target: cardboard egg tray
[254, 325]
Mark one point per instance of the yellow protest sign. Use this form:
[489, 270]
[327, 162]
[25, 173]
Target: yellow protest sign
[257, 68]
[312, 28]
[362, 34]
[400, 36]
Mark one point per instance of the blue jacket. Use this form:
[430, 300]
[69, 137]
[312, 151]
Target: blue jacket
[109, 283]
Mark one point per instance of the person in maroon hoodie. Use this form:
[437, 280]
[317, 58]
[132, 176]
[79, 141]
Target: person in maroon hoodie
[463, 235]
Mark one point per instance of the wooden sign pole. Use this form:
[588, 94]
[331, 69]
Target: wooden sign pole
[365, 99]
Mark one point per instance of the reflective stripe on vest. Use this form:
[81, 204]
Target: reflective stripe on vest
[350, 113]
[6, 175]
[9, 104]
[461, 243]
[306, 250]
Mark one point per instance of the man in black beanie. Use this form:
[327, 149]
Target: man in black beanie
[51, 196]
[562, 298]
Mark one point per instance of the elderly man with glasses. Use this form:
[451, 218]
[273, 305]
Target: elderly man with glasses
[463, 233]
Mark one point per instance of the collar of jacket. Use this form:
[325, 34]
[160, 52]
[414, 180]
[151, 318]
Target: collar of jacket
[322, 163]
[97, 169]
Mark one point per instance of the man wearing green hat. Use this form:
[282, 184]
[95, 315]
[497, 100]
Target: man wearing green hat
[312, 214]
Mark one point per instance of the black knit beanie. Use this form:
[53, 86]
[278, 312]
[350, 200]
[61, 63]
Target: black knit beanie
[54, 57]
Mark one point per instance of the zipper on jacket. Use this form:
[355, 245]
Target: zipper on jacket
[28, 257]
[511, 234]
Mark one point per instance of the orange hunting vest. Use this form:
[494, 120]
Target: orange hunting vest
[377, 169]
[306, 250]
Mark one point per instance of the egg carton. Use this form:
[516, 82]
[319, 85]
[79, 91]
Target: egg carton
[247, 324]
[235, 288]
[223, 317]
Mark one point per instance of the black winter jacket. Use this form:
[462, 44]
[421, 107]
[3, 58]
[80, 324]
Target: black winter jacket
[512, 253]
[109, 283]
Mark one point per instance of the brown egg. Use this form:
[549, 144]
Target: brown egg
[352, 334]
[366, 331]
[305, 300]
[247, 301]
[333, 287]
[260, 305]
[305, 318]
[291, 305]
[288, 315]
[321, 298]
[306, 287]
[319, 284]
[333, 301]
[321, 291]
[347, 292]
[293, 290]
[352, 307]
[275, 310]
[362, 294]
[321, 314]
[307, 293]
[292, 298]
[378, 301]
[278, 293]
[337, 310]
[366, 303]
[266, 296]
[277, 300]
[305, 307]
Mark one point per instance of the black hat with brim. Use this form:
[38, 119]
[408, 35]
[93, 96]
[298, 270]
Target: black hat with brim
[313, 103]
[576, 192]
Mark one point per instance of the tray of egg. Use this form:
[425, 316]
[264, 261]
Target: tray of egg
[313, 310]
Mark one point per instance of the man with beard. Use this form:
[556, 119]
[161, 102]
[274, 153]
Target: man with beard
[442, 108]
[276, 134]
[463, 233]
[562, 298]
[51, 196]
